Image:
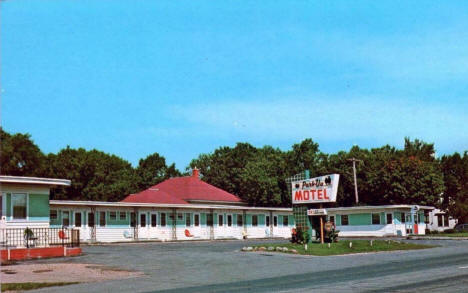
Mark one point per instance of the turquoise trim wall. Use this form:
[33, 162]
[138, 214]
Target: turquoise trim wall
[291, 220]
[8, 205]
[38, 219]
[203, 219]
[248, 220]
[261, 220]
[38, 205]
[338, 220]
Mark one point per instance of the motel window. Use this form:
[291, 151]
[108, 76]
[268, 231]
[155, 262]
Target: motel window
[220, 220]
[229, 220]
[403, 218]
[180, 217]
[344, 220]
[446, 221]
[78, 219]
[240, 221]
[285, 221]
[332, 219]
[375, 219]
[143, 220]
[66, 219]
[275, 221]
[268, 221]
[53, 214]
[209, 220]
[123, 216]
[254, 220]
[91, 219]
[154, 220]
[102, 219]
[196, 220]
[188, 220]
[132, 219]
[18, 202]
[389, 218]
[426, 217]
[163, 219]
[113, 216]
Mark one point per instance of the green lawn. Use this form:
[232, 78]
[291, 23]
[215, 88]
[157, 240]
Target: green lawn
[458, 234]
[31, 286]
[342, 247]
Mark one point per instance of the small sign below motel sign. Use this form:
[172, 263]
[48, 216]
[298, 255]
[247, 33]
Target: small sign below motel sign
[317, 212]
[315, 190]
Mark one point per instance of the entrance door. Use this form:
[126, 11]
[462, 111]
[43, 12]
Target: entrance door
[153, 226]
[267, 226]
[92, 226]
[143, 231]
[197, 231]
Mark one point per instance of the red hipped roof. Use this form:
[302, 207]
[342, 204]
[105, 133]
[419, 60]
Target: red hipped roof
[180, 190]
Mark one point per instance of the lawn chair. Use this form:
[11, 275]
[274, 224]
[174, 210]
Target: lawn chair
[62, 235]
[127, 234]
[29, 238]
[189, 235]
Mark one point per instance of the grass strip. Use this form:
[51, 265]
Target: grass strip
[343, 247]
[461, 234]
[31, 286]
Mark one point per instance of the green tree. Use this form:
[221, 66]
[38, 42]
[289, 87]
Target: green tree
[262, 179]
[223, 167]
[95, 175]
[455, 198]
[153, 170]
[306, 156]
[20, 156]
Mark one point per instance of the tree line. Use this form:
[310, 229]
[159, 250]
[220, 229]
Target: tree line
[385, 175]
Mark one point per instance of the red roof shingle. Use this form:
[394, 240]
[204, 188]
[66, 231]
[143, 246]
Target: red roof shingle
[180, 190]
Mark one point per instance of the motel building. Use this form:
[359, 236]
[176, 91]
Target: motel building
[182, 208]
[187, 208]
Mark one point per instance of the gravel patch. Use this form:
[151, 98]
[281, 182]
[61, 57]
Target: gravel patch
[64, 272]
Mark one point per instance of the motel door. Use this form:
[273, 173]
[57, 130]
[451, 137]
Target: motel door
[229, 225]
[196, 225]
[143, 229]
[92, 226]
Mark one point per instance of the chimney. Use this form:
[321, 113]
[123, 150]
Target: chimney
[195, 173]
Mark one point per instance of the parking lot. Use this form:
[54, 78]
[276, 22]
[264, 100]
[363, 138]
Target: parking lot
[221, 267]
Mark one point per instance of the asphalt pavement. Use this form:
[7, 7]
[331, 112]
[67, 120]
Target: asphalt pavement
[221, 267]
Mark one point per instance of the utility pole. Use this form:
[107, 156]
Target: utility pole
[354, 160]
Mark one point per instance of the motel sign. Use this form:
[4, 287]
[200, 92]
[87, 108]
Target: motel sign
[315, 190]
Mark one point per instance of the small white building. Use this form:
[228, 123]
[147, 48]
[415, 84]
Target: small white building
[441, 221]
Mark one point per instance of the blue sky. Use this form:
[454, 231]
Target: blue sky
[184, 77]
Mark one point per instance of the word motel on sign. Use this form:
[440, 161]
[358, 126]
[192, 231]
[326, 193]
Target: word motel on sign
[319, 194]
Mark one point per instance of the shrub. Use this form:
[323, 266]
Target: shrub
[302, 235]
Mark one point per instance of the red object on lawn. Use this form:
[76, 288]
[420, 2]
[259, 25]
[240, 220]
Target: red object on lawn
[187, 233]
[62, 235]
